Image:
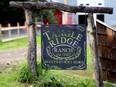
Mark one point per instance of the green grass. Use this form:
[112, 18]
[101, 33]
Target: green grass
[17, 43]
[8, 78]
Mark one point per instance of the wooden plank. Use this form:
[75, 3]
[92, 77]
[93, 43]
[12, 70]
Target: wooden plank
[10, 39]
[113, 54]
[104, 24]
[12, 28]
[101, 39]
[109, 76]
[101, 28]
[60, 6]
[100, 50]
[106, 52]
[109, 37]
[94, 51]
[108, 64]
[114, 40]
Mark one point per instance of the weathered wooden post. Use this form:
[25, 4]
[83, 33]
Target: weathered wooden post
[18, 31]
[32, 58]
[93, 44]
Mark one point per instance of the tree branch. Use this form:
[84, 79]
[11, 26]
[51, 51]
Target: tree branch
[60, 6]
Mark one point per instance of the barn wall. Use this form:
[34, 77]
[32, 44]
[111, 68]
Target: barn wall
[107, 50]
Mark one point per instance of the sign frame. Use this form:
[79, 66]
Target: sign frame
[53, 36]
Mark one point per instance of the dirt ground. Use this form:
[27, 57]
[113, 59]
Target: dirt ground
[10, 56]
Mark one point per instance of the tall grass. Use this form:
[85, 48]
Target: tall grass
[19, 76]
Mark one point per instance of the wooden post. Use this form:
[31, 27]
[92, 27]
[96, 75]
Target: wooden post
[52, 5]
[9, 31]
[94, 51]
[31, 57]
[18, 31]
[9, 25]
[0, 33]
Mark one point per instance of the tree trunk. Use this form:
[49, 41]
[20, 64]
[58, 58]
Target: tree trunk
[31, 29]
[94, 52]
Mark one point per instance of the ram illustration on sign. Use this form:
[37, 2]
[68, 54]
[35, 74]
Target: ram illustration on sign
[64, 47]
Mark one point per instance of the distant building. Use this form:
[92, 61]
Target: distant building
[79, 18]
[90, 3]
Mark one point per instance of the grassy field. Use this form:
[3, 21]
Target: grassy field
[17, 43]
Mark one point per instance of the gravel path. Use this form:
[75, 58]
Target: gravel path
[14, 55]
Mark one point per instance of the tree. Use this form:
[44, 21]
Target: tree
[45, 15]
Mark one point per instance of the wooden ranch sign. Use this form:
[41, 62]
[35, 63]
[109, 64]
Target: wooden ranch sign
[64, 47]
[29, 7]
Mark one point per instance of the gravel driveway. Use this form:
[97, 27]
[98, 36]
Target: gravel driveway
[14, 55]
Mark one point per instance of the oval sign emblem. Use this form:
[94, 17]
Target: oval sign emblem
[63, 52]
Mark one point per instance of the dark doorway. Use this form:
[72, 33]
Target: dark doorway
[100, 17]
[83, 19]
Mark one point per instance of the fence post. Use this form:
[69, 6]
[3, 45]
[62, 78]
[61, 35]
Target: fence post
[18, 25]
[93, 45]
[0, 33]
[9, 31]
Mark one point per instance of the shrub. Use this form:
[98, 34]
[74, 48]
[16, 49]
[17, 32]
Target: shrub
[25, 76]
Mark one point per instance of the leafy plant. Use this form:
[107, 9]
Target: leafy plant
[25, 75]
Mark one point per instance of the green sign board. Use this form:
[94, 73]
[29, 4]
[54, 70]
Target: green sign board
[63, 47]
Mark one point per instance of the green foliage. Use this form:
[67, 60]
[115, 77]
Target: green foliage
[25, 75]
[46, 14]
[58, 78]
